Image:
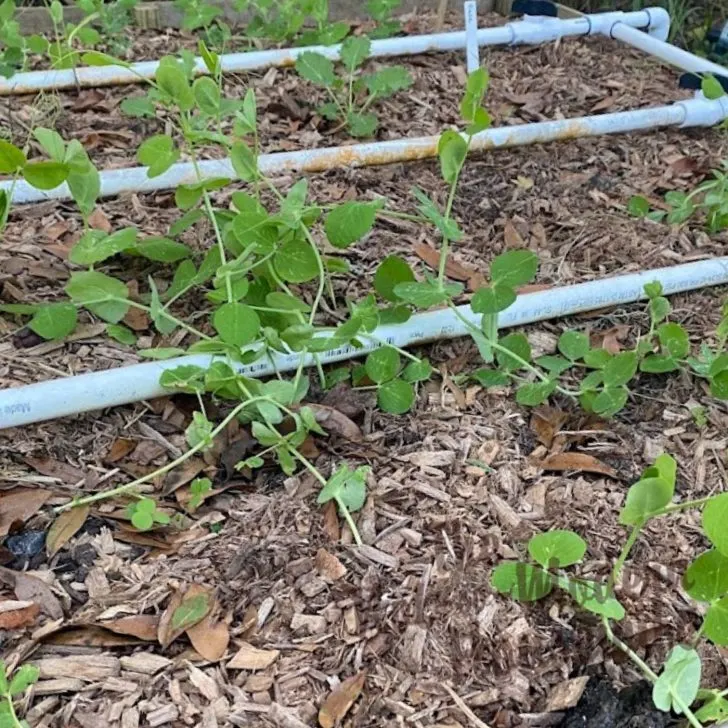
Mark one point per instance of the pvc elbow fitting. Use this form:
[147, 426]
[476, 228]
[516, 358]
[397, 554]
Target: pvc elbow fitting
[659, 26]
[704, 112]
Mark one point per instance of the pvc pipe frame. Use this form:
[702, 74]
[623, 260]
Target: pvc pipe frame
[124, 385]
[692, 112]
[528, 31]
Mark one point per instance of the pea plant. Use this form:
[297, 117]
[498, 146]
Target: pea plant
[258, 291]
[12, 685]
[352, 93]
[677, 686]
[15, 48]
[381, 12]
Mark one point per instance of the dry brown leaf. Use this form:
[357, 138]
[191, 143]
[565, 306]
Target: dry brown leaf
[98, 220]
[210, 638]
[55, 469]
[329, 565]
[453, 269]
[170, 628]
[339, 702]
[335, 422]
[136, 319]
[16, 615]
[141, 626]
[29, 588]
[18, 505]
[120, 449]
[89, 636]
[64, 528]
[332, 527]
[546, 422]
[512, 237]
[251, 658]
[578, 461]
[566, 694]
[182, 475]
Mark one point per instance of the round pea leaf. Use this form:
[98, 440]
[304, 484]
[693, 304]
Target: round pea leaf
[350, 222]
[54, 321]
[556, 549]
[382, 365]
[715, 517]
[706, 579]
[396, 396]
[716, 622]
[523, 582]
[514, 268]
[296, 262]
[236, 323]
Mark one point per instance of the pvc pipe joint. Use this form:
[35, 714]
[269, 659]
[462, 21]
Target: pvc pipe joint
[700, 111]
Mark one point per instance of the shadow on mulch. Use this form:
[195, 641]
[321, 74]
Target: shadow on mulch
[601, 706]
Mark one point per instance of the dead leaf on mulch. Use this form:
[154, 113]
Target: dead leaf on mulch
[141, 626]
[18, 505]
[335, 422]
[16, 615]
[120, 449]
[183, 612]
[55, 469]
[251, 658]
[566, 694]
[546, 423]
[512, 237]
[89, 636]
[454, 270]
[577, 461]
[331, 526]
[210, 638]
[339, 702]
[64, 528]
[182, 475]
[29, 588]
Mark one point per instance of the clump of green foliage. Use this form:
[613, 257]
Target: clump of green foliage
[12, 685]
[676, 687]
[352, 93]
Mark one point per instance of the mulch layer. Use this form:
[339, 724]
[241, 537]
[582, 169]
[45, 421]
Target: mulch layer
[407, 626]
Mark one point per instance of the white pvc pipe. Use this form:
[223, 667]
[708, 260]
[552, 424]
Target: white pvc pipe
[472, 50]
[113, 387]
[692, 112]
[665, 51]
[529, 31]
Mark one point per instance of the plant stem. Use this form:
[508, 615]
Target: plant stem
[13, 714]
[619, 564]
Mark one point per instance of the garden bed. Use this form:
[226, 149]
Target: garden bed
[457, 485]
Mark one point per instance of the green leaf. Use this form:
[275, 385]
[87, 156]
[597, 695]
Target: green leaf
[23, 678]
[286, 302]
[96, 58]
[448, 228]
[199, 432]
[292, 207]
[121, 334]
[244, 162]
[597, 358]
[514, 268]
[706, 579]
[417, 371]
[162, 250]
[54, 321]
[716, 622]
[533, 394]
[573, 345]
[382, 364]
[3, 669]
[354, 51]
[388, 80]
[719, 385]
[556, 365]
[99, 293]
[162, 352]
[52, 142]
[350, 222]
[557, 549]
[491, 378]
[207, 95]
[295, 261]
[186, 378]
[421, 294]
[95, 246]
[592, 596]
[396, 396]
[191, 611]
[315, 68]
[158, 153]
[710, 86]
[658, 364]
[236, 323]
[523, 582]
[362, 125]
[45, 175]
[11, 158]
[452, 150]
[392, 271]
[644, 498]
[674, 340]
[475, 88]
[172, 80]
[620, 369]
[85, 188]
[610, 401]
[638, 206]
[346, 487]
[516, 344]
[139, 106]
[713, 710]
[492, 299]
[679, 682]
[715, 518]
